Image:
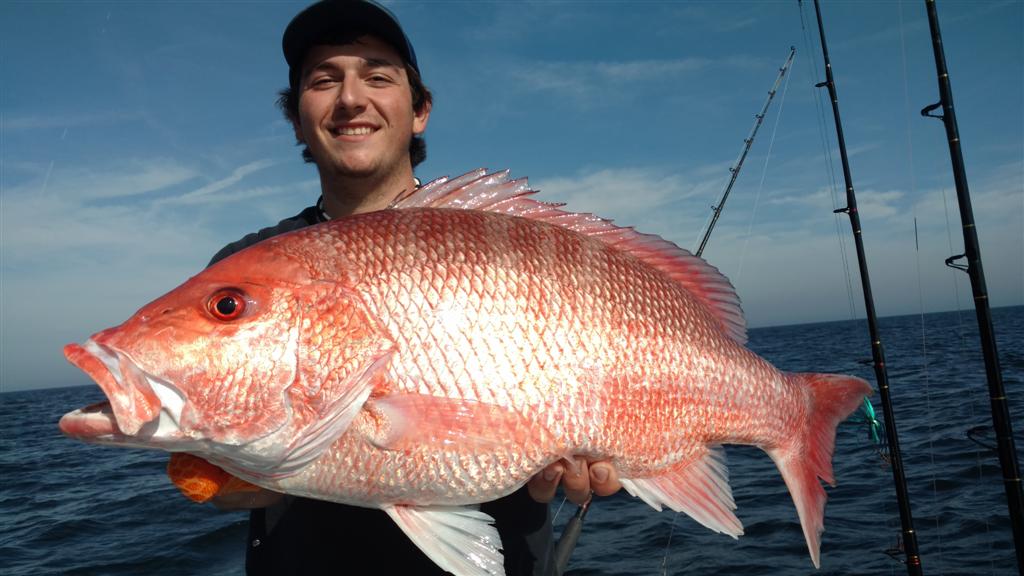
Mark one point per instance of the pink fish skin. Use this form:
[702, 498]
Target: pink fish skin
[436, 355]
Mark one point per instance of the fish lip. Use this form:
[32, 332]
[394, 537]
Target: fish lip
[139, 404]
[93, 422]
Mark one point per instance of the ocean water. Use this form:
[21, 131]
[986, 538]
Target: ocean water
[71, 508]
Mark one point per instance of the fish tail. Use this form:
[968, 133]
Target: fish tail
[808, 456]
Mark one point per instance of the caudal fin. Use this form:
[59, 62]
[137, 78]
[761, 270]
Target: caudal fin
[808, 456]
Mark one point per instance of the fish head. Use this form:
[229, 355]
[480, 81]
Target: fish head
[214, 367]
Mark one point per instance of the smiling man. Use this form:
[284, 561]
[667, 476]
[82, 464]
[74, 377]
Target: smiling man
[359, 108]
[356, 117]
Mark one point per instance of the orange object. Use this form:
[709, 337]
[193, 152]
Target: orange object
[200, 481]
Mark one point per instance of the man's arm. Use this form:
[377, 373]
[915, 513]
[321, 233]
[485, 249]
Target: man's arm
[247, 500]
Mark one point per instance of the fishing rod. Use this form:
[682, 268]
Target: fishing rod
[735, 170]
[972, 252]
[570, 535]
[913, 558]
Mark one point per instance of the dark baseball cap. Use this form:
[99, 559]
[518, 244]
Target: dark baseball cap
[327, 21]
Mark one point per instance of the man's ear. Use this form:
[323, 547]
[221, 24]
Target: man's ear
[420, 118]
[297, 128]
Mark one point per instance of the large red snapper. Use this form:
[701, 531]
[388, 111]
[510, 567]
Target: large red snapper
[436, 355]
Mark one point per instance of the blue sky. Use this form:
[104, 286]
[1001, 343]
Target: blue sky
[137, 138]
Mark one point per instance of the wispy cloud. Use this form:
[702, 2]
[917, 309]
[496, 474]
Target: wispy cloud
[704, 16]
[820, 199]
[99, 210]
[623, 193]
[37, 122]
[128, 179]
[254, 195]
[880, 203]
[672, 204]
[94, 237]
[207, 192]
[584, 79]
[608, 81]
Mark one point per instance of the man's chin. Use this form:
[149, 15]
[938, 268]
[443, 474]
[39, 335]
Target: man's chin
[353, 170]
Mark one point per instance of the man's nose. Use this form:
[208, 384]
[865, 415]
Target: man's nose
[352, 95]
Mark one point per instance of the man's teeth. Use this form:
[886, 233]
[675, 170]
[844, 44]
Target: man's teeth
[354, 131]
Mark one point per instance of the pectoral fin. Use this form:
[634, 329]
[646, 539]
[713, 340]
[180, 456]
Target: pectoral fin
[459, 539]
[404, 420]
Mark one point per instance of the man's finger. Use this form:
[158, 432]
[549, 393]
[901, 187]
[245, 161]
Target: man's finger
[604, 479]
[576, 482]
[543, 486]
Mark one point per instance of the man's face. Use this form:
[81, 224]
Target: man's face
[355, 109]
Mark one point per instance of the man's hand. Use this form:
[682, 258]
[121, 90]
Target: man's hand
[598, 477]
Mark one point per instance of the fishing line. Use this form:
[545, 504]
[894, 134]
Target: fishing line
[703, 229]
[559, 511]
[920, 290]
[972, 415]
[908, 533]
[760, 185]
[1002, 424]
[824, 135]
[927, 394]
[956, 283]
[668, 544]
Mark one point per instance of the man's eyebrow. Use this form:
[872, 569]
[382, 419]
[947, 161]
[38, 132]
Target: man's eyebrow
[366, 63]
[379, 63]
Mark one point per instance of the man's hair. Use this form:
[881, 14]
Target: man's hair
[288, 102]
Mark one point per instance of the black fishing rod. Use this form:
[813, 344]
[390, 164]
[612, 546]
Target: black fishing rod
[913, 558]
[997, 393]
[570, 535]
[735, 170]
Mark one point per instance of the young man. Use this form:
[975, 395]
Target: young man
[359, 107]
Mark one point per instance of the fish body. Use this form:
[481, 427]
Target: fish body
[429, 357]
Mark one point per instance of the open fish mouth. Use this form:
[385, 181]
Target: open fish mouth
[92, 422]
[141, 408]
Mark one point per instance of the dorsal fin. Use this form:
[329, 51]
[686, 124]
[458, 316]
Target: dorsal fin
[496, 192]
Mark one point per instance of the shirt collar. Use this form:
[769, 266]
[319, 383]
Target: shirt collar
[323, 216]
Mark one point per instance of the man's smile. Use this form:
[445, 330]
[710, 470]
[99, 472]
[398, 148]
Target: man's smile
[352, 130]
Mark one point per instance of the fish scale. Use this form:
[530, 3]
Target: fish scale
[434, 372]
[436, 355]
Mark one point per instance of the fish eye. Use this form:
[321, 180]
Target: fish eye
[226, 304]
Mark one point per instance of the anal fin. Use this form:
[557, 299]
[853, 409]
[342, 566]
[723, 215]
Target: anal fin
[459, 539]
[698, 487]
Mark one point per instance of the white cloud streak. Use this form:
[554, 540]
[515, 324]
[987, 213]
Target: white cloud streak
[583, 80]
[93, 236]
[204, 193]
[30, 122]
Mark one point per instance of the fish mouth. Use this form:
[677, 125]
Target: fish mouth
[141, 408]
[93, 421]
